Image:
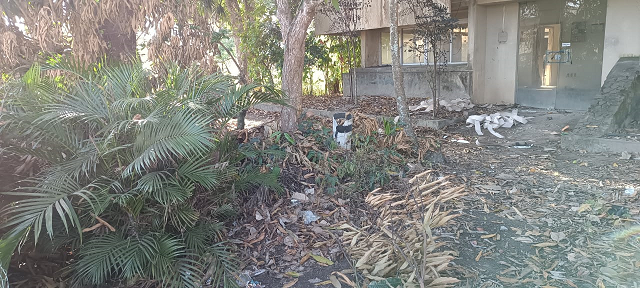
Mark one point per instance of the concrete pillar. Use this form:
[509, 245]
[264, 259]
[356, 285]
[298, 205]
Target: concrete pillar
[493, 54]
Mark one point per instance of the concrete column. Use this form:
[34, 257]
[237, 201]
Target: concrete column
[477, 48]
[493, 58]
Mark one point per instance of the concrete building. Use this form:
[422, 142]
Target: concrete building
[540, 53]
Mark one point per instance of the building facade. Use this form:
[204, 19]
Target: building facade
[541, 53]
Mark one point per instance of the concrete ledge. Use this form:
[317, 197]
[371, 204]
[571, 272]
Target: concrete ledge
[599, 145]
[424, 123]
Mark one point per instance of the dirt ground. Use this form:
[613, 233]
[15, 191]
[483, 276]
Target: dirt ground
[535, 217]
[556, 211]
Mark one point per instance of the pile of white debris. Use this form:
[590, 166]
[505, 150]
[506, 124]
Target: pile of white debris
[451, 105]
[495, 121]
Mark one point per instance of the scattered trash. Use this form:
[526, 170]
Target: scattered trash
[309, 217]
[494, 121]
[299, 197]
[523, 145]
[477, 142]
[315, 280]
[629, 191]
[254, 284]
[258, 272]
[461, 141]
[244, 280]
[310, 191]
[625, 155]
[453, 105]
[503, 228]
[565, 128]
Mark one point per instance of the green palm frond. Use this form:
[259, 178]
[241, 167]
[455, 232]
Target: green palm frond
[172, 193]
[222, 266]
[149, 256]
[109, 255]
[8, 243]
[183, 217]
[184, 134]
[209, 176]
[72, 66]
[85, 104]
[126, 81]
[37, 207]
[134, 151]
[197, 238]
[243, 98]
[254, 177]
[190, 85]
[155, 180]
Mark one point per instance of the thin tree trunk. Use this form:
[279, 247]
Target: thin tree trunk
[434, 81]
[238, 28]
[294, 30]
[398, 77]
[355, 79]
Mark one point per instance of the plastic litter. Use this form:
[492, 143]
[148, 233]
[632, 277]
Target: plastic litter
[629, 191]
[458, 104]
[244, 280]
[494, 121]
[309, 217]
[523, 145]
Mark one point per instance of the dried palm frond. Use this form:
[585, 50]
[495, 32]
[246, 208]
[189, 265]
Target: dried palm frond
[402, 242]
[365, 125]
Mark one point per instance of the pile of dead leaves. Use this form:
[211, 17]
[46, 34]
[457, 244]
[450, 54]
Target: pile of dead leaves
[400, 240]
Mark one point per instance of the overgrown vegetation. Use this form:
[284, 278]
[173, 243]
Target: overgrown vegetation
[134, 175]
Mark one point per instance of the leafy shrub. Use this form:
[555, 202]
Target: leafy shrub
[135, 175]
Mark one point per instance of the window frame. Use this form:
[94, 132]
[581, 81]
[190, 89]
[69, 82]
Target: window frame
[425, 56]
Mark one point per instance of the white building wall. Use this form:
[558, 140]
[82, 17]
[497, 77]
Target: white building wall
[622, 33]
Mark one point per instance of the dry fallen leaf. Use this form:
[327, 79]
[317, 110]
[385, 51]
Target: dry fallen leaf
[558, 236]
[488, 236]
[479, 256]
[335, 282]
[290, 284]
[345, 279]
[305, 258]
[322, 260]
[584, 207]
[565, 128]
[545, 244]
[507, 280]
[292, 274]
[523, 239]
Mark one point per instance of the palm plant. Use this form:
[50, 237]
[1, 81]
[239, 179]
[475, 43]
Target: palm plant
[122, 157]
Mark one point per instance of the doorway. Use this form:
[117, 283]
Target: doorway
[560, 45]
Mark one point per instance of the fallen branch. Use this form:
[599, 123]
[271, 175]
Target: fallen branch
[103, 223]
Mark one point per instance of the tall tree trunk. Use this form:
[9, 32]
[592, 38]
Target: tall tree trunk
[238, 29]
[121, 45]
[294, 30]
[398, 76]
